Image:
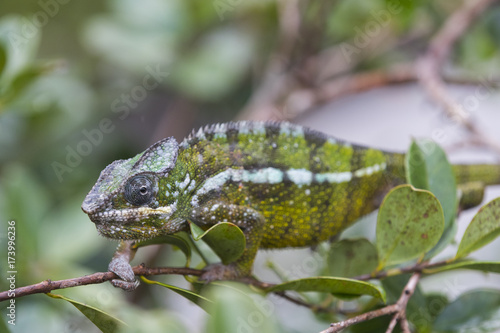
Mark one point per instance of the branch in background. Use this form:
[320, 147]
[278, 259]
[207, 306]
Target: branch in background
[276, 79]
[429, 65]
[398, 310]
[282, 95]
[301, 101]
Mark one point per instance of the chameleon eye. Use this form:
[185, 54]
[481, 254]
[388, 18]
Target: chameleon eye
[139, 190]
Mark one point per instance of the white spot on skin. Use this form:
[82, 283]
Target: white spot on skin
[182, 185]
[332, 141]
[243, 128]
[259, 128]
[285, 129]
[220, 136]
[200, 134]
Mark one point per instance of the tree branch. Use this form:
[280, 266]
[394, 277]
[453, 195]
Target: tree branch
[96, 278]
[398, 309]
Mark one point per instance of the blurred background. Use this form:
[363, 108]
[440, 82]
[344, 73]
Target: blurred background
[85, 83]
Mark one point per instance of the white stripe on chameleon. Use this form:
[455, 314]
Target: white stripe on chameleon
[300, 176]
[273, 176]
[261, 176]
[333, 177]
[370, 170]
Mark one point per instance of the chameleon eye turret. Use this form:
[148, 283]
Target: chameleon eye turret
[140, 190]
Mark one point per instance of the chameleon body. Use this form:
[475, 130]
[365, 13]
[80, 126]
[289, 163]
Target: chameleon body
[284, 185]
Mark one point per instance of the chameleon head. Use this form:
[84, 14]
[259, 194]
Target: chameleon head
[125, 203]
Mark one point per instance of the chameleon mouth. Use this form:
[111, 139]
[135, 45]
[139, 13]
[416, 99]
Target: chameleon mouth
[130, 214]
[127, 232]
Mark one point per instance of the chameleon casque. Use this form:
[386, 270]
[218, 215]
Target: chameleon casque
[284, 185]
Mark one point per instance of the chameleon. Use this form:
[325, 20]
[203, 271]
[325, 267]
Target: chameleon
[282, 184]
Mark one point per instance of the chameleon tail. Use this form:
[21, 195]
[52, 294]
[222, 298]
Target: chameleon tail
[471, 180]
[488, 174]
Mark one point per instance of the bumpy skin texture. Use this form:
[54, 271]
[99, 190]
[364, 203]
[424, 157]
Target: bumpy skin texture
[282, 184]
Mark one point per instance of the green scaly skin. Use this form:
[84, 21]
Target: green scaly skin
[284, 185]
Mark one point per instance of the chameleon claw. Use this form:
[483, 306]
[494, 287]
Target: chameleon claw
[125, 285]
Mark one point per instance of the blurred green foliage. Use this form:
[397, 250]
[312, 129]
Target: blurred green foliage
[76, 93]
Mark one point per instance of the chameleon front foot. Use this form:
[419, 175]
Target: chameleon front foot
[120, 265]
[220, 272]
[123, 269]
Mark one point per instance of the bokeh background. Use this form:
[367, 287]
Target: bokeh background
[89, 82]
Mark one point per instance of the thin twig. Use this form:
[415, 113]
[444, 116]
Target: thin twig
[417, 268]
[398, 309]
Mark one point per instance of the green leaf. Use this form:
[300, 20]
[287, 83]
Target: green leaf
[226, 239]
[236, 308]
[427, 168]
[168, 239]
[483, 229]
[22, 80]
[436, 302]
[3, 324]
[3, 58]
[202, 301]
[215, 66]
[416, 170]
[331, 285]
[475, 311]
[104, 321]
[485, 266]
[409, 223]
[348, 258]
